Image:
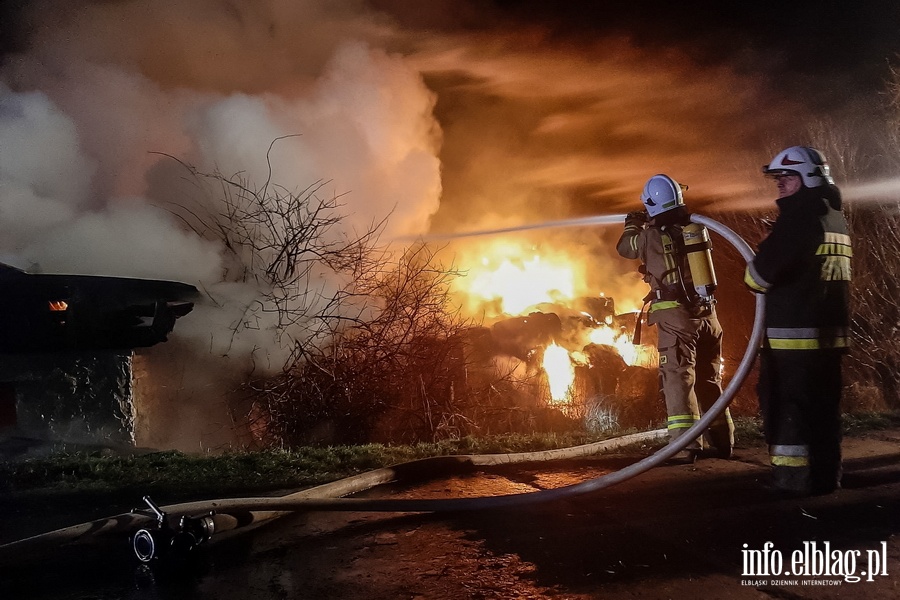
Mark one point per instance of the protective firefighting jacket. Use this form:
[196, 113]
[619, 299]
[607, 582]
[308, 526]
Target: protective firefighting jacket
[689, 336]
[663, 261]
[803, 267]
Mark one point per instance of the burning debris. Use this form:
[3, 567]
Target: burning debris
[569, 345]
[584, 361]
[522, 336]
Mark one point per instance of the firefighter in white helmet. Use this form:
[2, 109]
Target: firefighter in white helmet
[803, 267]
[676, 262]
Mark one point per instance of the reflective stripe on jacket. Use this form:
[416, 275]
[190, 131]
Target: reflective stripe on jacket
[807, 338]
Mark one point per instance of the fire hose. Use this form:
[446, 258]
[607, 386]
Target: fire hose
[181, 527]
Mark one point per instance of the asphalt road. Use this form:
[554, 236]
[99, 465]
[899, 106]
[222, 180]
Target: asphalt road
[708, 530]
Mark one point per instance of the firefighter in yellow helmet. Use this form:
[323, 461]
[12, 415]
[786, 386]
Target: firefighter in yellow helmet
[689, 334]
[803, 267]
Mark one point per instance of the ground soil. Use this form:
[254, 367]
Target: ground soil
[673, 532]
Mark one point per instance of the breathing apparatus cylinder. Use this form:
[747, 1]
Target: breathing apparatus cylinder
[698, 248]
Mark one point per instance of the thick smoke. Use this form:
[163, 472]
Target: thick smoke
[104, 95]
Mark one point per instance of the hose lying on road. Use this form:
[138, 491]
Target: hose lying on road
[240, 512]
[234, 512]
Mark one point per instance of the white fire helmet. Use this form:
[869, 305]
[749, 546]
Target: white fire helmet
[662, 194]
[804, 161]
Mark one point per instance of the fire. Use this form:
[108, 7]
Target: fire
[520, 285]
[560, 371]
[527, 283]
[631, 353]
[509, 278]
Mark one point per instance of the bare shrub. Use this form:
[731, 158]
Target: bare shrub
[408, 357]
[291, 246]
[875, 356]
[367, 332]
[863, 147]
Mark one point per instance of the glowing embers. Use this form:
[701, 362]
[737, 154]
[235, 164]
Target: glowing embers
[58, 312]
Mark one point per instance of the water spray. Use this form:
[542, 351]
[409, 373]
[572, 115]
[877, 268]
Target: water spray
[883, 191]
[575, 222]
[329, 496]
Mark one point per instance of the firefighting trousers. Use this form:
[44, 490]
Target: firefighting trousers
[800, 400]
[690, 353]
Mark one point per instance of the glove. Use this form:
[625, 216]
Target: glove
[638, 217]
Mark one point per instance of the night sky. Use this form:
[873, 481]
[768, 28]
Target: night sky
[814, 43]
[748, 78]
[773, 72]
[805, 41]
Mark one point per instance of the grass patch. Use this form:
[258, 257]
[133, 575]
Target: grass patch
[269, 470]
[861, 422]
[298, 468]
[747, 430]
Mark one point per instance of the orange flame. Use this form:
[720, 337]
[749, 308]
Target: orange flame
[507, 278]
[560, 371]
[632, 354]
